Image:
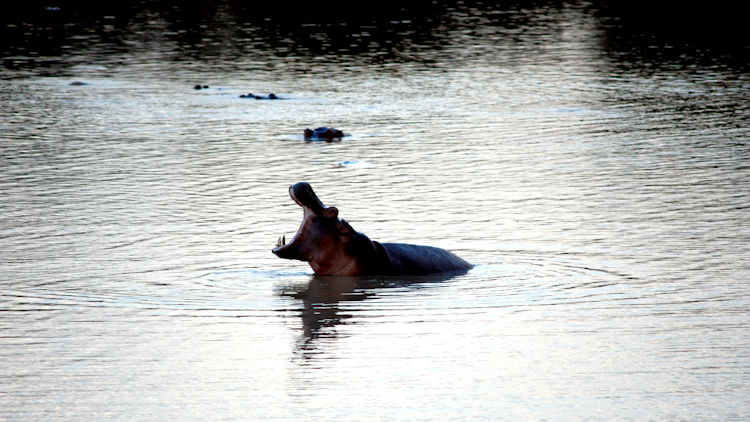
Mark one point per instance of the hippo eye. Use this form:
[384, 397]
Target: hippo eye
[330, 212]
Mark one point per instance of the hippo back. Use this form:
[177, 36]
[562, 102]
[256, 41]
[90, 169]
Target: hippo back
[418, 260]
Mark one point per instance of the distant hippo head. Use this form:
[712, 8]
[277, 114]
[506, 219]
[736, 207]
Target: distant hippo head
[323, 132]
[321, 239]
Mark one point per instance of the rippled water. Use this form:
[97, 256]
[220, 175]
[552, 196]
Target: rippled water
[601, 189]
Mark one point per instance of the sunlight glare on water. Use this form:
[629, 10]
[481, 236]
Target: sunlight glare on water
[603, 202]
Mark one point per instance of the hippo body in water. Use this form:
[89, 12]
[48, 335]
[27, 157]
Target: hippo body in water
[326, 133]
[332, 247]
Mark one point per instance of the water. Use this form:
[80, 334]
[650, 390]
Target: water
[600, 187]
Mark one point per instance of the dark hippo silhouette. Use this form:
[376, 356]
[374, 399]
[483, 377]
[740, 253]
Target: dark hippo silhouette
[332, 247]
[270, 96]
[323, 133]
[200, 87]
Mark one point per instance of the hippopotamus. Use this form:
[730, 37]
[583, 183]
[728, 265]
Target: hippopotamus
[270, 96]
[323, 133]
[332, 247]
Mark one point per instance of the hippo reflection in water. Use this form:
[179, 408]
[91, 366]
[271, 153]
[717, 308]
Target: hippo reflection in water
[323, 133]
[332, 247]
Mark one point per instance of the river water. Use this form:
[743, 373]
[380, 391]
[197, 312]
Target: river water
[600, 187]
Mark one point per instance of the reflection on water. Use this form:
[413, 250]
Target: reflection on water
[322, 295]
[593, 169]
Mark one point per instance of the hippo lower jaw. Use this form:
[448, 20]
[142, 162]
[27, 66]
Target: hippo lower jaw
[284, 250]
[289, 250]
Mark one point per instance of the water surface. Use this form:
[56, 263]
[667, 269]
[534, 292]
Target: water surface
[600, 187]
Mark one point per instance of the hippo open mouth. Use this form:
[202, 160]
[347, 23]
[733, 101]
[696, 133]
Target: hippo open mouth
[303, 194]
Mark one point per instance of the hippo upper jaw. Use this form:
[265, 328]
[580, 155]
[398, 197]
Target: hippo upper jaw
[303, 194]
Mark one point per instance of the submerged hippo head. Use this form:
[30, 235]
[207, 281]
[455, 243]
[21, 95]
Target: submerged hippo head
[321, 239]
[323, 132]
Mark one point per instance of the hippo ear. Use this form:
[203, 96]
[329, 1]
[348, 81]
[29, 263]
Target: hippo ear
[330, 212]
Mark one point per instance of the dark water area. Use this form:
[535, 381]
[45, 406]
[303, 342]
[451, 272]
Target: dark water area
[589, 158]
[639, 34]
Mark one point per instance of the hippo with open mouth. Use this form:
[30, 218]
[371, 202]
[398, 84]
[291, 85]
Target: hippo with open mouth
[332, 247]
